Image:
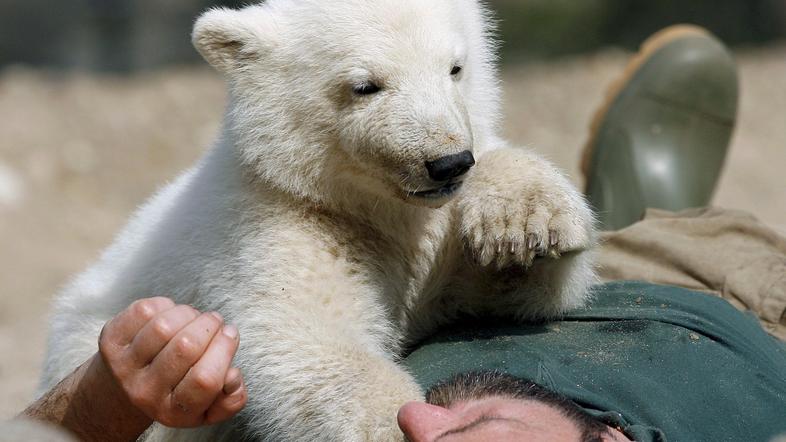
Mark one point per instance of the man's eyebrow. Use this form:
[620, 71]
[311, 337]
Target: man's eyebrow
[476, 423]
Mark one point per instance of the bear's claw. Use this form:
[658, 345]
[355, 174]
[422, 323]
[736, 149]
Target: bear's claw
[534, 215]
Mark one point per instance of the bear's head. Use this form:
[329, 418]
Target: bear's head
[391, 97]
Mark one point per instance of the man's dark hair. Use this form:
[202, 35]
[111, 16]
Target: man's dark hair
[484, 384]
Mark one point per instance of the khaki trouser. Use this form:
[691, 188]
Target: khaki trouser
[726, 252]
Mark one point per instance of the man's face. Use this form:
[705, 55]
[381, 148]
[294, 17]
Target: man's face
[494, 418]
[492, 406]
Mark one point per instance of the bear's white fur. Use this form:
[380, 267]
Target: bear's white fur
[303, 226]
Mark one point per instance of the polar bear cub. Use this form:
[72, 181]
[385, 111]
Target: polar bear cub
[357, 197]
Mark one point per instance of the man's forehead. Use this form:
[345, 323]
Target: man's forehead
[503, 419]
[492, 428]
[506, 407]
[489, 401]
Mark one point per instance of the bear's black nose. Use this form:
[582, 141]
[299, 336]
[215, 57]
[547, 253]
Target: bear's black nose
[451, 166]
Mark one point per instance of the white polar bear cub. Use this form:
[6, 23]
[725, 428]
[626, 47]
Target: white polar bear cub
[341, 216]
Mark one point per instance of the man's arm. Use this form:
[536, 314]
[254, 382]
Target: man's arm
[91, 405]
[157, 361]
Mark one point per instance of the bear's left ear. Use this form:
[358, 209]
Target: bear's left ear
[229, 39]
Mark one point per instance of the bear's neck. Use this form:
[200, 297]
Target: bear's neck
[390, 216]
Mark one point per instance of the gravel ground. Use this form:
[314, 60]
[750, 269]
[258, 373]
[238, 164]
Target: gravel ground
[79, 152]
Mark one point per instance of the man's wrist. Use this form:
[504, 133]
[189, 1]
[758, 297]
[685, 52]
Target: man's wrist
[91, 404]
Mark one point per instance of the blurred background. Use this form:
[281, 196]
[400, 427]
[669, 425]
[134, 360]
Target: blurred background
[129, 35]
[103, 101]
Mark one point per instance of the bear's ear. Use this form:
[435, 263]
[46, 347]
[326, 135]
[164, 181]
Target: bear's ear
[229, 39]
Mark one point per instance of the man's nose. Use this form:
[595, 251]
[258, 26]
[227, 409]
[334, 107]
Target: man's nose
[422, 422]
[450, 166]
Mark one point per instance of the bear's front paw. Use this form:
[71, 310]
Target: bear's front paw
[537, 213]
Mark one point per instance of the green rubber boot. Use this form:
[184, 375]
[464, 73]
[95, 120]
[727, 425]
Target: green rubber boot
[661, 138]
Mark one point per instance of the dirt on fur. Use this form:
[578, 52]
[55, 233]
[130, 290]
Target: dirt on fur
[78, 152]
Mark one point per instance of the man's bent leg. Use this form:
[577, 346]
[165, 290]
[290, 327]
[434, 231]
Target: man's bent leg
[726, 252]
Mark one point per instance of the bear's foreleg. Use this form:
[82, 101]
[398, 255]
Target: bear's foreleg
[529, 232]
[310, 381]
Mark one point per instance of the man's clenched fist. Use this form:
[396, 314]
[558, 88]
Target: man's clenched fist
[173, 363]
[157, 361]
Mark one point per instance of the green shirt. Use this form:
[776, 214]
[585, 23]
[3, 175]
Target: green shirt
[661, 362]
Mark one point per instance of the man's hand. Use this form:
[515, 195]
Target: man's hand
[173, 363]
[157, 361]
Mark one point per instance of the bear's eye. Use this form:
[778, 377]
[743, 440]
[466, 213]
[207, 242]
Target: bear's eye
[366, 89]
[456, 70]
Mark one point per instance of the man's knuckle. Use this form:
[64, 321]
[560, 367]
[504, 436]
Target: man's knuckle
[186, 346]
[161, 329]
[206, 380]
[144, 309]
